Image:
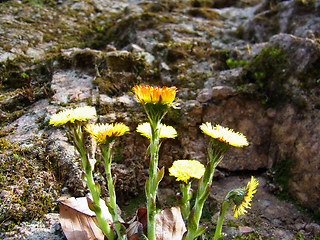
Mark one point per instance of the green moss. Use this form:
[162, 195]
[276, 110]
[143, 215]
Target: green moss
[27, 186]
[206, 13]
[234, 63]
[11, 73]
[251, 236]
[310, 78]
[269, 71]
[307, 4]
[283, 175]
[202, 3]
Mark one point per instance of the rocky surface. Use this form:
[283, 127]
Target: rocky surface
[249, 65]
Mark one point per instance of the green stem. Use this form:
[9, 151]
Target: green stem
[155, 113]
[204, 184]
[94, 189]
[106, 151]
[153, 183]
[224, 208]
[185, 201]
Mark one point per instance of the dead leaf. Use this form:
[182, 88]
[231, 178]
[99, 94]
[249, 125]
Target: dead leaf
[170, 224]
[138, 225]
[78, 221]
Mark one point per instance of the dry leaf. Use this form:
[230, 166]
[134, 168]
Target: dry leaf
[78, 221]
[138, 225]
[170, 224]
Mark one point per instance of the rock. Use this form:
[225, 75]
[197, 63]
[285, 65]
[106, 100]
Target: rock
[292, 17]
[71, 85]
[314, 228]
[36, 54]
[302, 52]
[248, 118]
[204, 95]
[86, 58]
[245, 229]
[222, 92]
[67, 163]
[5, 56]
[48, 228]
[223, 3]
[119, 61]
[294, 148]
[26, 128]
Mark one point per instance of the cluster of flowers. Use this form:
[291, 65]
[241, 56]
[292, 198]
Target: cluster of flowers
[156, 102]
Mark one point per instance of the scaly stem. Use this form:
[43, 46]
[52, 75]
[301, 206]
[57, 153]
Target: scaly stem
[94, 189]
[215, 157]
[185, 200]
[106, 152]
[224, 207]
[151, 189]
[155, 113]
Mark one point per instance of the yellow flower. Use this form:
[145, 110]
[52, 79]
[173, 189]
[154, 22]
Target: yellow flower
[183, 170]
[165, 131]
[240, 206]
[225, 135]
[158, 95]
[103, 133]
[71, 115]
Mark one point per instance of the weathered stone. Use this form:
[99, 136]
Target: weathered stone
[249, 118]
[222, 92]
[204, 95]
[297, 18]
[314, 228]
[71, 86]
[119, 61]
[294, 148]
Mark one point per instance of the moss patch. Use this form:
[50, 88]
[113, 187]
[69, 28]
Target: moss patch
[251, 236]
[269, 72]
[28, 187]
[282, 176]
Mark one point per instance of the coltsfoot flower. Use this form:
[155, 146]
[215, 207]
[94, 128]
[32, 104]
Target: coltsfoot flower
[224, 134]
[104, 133]
[155, 95]
[165, 131]
[183, 170]
[242, 201]
[72, 115]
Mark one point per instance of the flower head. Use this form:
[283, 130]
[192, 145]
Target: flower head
[165, 131]
[183, 170]
[155, 95]
[72, 115]
[103, 133]
[242, 201]
[225, 135]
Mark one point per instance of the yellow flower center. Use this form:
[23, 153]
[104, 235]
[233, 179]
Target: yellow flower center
[183, 170]
[103, 133]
